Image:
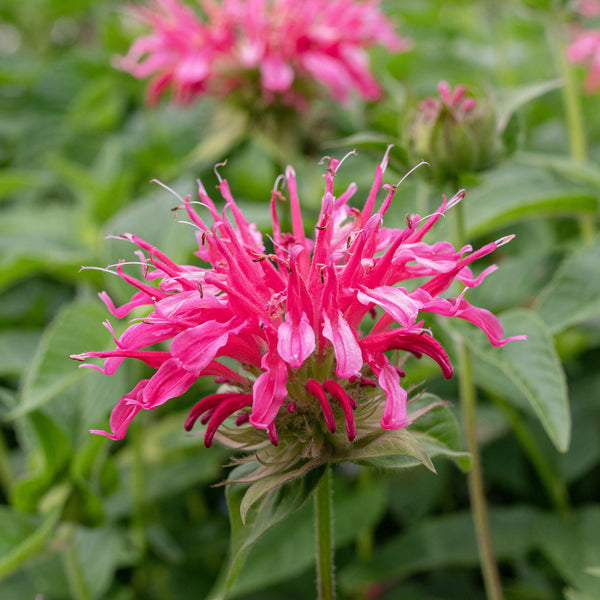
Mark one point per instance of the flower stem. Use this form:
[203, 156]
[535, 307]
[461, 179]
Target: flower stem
[572, 104]
[468, 402]
[324, 531]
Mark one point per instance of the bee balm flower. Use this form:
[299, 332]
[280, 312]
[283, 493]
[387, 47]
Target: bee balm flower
[309, 321]
[279, 46]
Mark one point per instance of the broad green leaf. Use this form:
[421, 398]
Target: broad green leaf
[573, 295]
[572, 547]
[525, 372]
[76, 328]
[512, 193]
[438, 431]
[28, 541]
[586, 173]
[396, 450]
[284, 500]
[100, 552]
[17, 346]
[42, 241]
[510, 100]
[441, 542]
[12, 181]
[52, 456]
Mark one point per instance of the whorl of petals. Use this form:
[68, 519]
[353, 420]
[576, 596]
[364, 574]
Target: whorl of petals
[292, 319]
[285, 42]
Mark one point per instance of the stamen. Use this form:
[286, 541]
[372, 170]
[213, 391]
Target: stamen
[352, 152]
[386, 158]
[423, 162]
[217, 172]
[455, 199]
[505, 240]
[166, 187]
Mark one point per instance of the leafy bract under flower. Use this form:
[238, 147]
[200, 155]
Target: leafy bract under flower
[285, 45]
[292, 319]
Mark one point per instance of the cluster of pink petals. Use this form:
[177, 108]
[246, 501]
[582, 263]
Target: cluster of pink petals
[456, 101]
[291, 318]
[588, 8]
[585, 49]
[283, 41]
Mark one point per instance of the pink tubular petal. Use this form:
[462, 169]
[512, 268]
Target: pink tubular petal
[394, 412]
[197, 346]
[222, 412]
[415, 341]
[345, 345]
[269, 391]
[346, 402]
[171, 380]
[276, 74]
[395, 301]
[314, 388]
[124, 412]
[295, 341]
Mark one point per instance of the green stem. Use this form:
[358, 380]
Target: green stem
[138, 487]
[572, 104]
[468, 402]
[324, 531]
[6, 476]
[75, 576]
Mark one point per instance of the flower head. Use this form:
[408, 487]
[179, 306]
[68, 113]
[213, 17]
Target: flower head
[455, 132]
[309, 321]
[278, 46]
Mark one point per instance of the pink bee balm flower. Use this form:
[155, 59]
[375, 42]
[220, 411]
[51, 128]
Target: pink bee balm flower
[309, 321]
[284, 44]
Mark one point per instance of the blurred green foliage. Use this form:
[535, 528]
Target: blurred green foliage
[85, 518]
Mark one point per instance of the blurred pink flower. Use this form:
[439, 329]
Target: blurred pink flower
[293, 318]
[284, 44]
[588, 8]
[585, 49]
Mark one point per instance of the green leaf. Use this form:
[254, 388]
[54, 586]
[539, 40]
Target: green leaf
[442, 542]
[27, 542]
[76, 328]
[40, 241]
[284, 500]
[394, 450]
[52, 456]
[573, 295]
[13, 180]
[513, 192]
[525, 372]
[572, 547]
[17, 346]
[510, 100]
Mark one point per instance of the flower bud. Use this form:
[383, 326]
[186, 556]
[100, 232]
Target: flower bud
[455, 133]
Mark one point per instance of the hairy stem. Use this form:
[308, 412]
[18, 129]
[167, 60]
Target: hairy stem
[324, 531]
